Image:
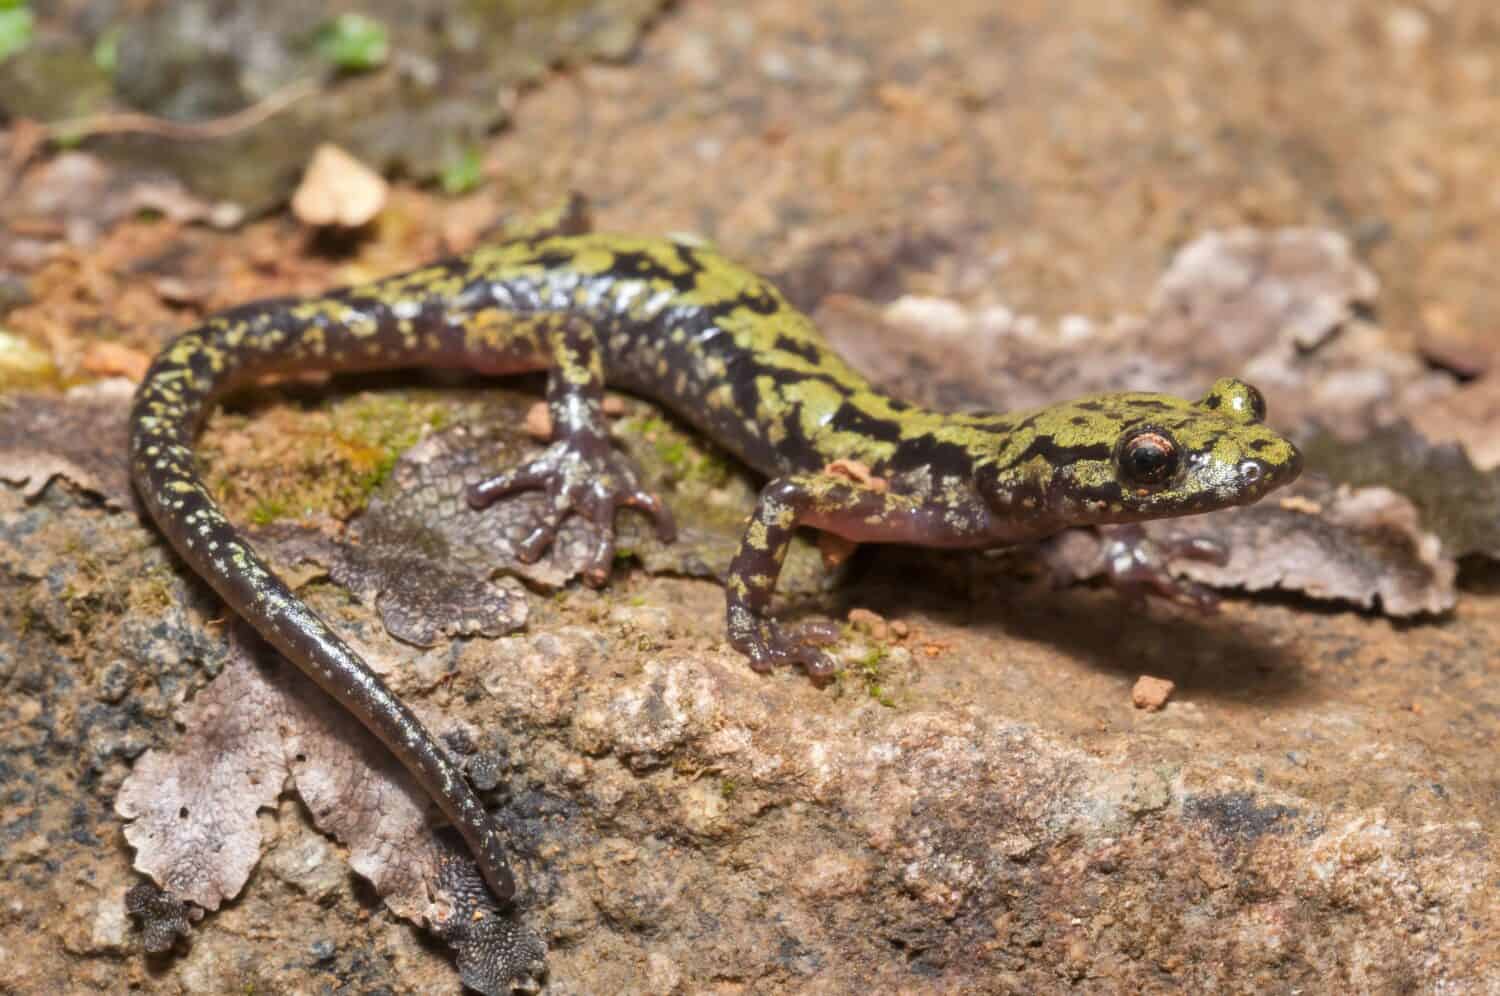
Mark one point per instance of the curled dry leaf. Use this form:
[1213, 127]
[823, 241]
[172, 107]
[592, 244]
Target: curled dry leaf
[338, 189]
[111, 359]
[1283, 308]
[1362, 546]
[1469, 347]
[81, 437]
[1299, 282]
[1470, 416]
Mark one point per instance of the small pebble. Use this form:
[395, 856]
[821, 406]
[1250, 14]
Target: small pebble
[869, 622]
[538, 423]
[1151, 693]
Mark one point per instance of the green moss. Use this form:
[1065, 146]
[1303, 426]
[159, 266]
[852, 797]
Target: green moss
[288, 463]
[682, 454]
[17, 24]
[462, 173]
[374, 430]
[354, 42]
[269, 510]
[869, 669]
[727, 789]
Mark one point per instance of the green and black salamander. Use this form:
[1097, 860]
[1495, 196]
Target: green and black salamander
[720, 346]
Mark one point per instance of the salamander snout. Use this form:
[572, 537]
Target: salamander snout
[1258, 476]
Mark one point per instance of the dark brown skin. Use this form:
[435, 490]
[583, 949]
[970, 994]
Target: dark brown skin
[681, 325]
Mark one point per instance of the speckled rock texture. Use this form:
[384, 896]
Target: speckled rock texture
[976, 806]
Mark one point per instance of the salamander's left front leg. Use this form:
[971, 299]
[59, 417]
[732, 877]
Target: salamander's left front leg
[581, 471]
[839, 506]
[1137, 565]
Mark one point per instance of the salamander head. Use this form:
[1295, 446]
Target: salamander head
[1130, 457]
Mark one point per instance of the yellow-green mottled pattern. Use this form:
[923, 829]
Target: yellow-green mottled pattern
[679, 323]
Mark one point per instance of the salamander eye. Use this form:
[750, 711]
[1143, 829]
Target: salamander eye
[1147, 458]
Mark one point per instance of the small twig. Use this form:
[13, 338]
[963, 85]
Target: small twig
[26, 139]
[145, 124]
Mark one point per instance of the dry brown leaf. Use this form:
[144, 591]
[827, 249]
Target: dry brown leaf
[111, 359]
[1362, 546]
[1469, 416]
[81, 437]
[338, 189]
[192, 809]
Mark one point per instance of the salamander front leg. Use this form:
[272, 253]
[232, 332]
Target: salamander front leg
[842, 507]
[1136, 565]
[581, 471]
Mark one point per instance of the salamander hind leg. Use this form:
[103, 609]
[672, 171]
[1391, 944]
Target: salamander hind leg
[581, 471]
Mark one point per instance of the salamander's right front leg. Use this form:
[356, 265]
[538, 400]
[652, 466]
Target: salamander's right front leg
[837, 505]
[783, 503]
[840, 506]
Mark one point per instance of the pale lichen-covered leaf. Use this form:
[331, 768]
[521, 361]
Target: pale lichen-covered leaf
[357, 792]
[81, 437]
[193, 807]
[1246, 288]
[420, 592]
[1361, 546]
[1365, 546]
[421, 600]
[194, 811]
[421, 512]
[1469, 416]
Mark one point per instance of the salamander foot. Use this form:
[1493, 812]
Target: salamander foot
[582, 474]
